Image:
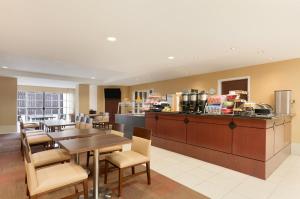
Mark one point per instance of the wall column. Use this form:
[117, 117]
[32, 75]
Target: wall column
[84, 98]
[93, 97]
[101, 99]
[8, 105]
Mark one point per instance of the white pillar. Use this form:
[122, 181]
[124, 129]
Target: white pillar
[76, 100]
[93, 97]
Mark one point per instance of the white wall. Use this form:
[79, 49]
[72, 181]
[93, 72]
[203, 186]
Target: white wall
[93, 97]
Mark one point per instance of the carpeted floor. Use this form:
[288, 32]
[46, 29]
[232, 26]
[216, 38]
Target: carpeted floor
[12, 175]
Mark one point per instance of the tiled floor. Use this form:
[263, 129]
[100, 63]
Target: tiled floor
[221, 183]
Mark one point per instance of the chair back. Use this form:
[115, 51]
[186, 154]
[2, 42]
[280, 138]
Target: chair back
[98, 118]
[141, 141]
[89, 120]
[62, 117]
[29, 167]
[72, 117]
[77, 122]
[27, 150]
[82, 119]
[22, 135]
[86, 124]
[21, 125]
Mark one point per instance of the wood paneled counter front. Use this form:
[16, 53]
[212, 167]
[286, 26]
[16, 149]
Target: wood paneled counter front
[250, 145]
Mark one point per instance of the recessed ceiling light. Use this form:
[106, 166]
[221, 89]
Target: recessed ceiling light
[93, 78]
[171, 57]
[4, 67]
[111, 39]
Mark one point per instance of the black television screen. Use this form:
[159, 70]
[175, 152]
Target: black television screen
[112, 93]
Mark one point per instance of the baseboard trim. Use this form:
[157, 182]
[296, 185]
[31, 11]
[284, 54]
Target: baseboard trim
[296, 148]
[4, 129]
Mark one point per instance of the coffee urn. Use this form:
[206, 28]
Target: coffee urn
[202, 101]
[283, 102]
[193, 100]
[185, 105]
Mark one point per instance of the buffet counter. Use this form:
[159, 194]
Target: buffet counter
[252, 145]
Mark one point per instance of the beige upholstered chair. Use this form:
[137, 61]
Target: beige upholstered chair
[77, 121]
[48, 157]
[36, 137]
[89, 123]
[139, 154]
[117, 129]
[29, 126]
[86, 124]
[52, 178]
[100, 120]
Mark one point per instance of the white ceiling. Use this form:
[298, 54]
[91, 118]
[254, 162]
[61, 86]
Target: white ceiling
[68, 37]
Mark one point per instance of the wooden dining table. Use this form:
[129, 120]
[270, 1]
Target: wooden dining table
[76, 133]
[51, 125]
[42, 117]
[93, 143]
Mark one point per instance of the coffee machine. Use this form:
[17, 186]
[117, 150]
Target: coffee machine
[185, 102]
[193, 96]
[202, 101]
[189, 101]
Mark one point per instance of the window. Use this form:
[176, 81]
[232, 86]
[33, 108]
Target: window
[68, 103]
[53, 104]
[44, 103]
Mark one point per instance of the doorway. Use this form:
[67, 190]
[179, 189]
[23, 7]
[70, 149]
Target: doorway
[112, 99]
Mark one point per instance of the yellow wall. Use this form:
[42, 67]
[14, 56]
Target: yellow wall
[8, 104]
[101, 98]
[264, 79]
[84, 98]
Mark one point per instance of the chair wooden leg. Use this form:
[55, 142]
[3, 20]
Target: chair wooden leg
[105, 171]
[148, 172]
[88, 159]
[21, 147]
[133, 170]
[76, 190]
[86, 189]
[27, 191]
[120, 182]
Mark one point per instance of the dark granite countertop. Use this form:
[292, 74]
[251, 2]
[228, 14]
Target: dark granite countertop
[265, 117]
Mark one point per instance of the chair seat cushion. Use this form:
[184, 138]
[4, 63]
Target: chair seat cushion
[49, 157]
[57, 176]
[110, 149]
[126, 158]
[38, 139]
[34, 133]
[31, 125]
